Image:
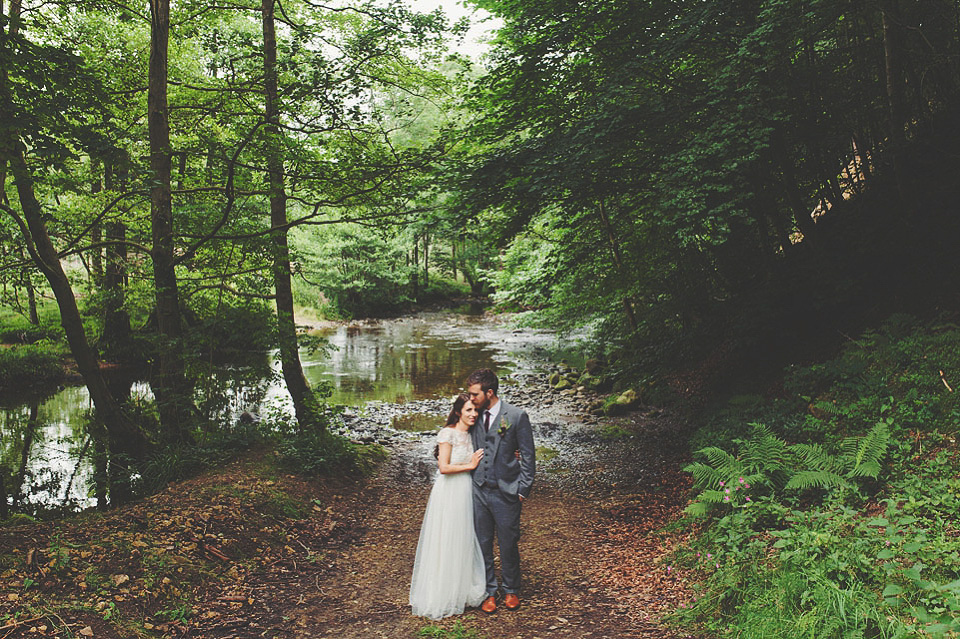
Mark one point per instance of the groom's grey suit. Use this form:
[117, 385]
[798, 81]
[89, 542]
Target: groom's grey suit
[498, 482]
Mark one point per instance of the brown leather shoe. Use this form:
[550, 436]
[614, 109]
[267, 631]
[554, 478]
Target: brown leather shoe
[511, 601]
[489, 605]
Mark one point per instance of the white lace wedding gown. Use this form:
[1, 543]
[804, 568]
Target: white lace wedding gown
[448, 572]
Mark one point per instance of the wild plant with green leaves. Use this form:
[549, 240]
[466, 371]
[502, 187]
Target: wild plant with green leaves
[848, 527]
[770, 465]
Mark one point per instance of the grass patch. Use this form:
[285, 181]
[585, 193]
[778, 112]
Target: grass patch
[457, 631]
[320, 452]
[30, 365]
[545, 453]
[612, 432]
[281, 505]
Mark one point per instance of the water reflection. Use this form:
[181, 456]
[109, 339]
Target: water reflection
[43, 456]
[404, 360]
[52, 459]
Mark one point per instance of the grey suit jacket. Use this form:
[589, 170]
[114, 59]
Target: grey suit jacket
[509, 433]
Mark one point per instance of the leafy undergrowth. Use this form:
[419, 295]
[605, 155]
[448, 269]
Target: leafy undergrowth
[212, 555]
[831, 510]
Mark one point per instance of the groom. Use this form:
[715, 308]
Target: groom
[500, 483]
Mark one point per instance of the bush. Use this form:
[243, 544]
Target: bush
[318, 452]
[37, 364]
[353, 271]
[233, 329]
[441, 289]
[20, 331]
[837, 520]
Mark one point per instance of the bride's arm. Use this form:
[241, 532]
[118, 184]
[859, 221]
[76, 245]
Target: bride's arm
[443, 460]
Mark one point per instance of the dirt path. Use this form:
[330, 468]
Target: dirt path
[248, 551]
[591, 556]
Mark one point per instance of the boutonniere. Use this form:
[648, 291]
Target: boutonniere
[504, 427]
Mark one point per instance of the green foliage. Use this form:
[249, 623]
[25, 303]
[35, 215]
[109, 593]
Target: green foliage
[30, 364]
[353, 271]
[225, 327]
[318, 452]
[833, 572]
[441, 289]
[457, 631]
[840, 535]
[775, 468]
[179, 612]
[650, 172]
[897, 372]
[17, 330]
[17, 519]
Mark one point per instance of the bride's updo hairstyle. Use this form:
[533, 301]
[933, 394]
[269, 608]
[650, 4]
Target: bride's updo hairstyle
[453, 417]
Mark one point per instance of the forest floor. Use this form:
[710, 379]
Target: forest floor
[252, 551]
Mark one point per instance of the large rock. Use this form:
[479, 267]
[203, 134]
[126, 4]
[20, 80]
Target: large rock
[554, 378]
[629, 398]
[621, 404]
[592, 382]
[563, 384]
[612, 408]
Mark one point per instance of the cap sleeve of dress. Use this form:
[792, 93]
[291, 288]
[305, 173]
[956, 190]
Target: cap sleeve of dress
[445, 436]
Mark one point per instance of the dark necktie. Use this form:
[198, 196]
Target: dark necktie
[486, 420]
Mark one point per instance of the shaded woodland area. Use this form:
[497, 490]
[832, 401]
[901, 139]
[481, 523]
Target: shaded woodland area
[746, 210]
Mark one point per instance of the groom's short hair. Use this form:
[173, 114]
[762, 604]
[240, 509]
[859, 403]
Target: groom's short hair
[486, 378]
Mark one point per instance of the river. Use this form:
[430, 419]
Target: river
[403, 371]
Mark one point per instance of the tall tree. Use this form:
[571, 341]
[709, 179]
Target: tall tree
[31, 217]
[171, 386]
[303, 401]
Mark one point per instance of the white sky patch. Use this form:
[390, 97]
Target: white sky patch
[482, 24]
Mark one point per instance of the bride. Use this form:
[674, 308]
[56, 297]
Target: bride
[448, 572]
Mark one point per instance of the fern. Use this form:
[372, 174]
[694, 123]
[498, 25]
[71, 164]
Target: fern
[824, 479]
[814, 456]
[767, 460]
[859, 457]
[761, 462]
[764, 449]
[703, 474]
[872, 449]
[827, 408]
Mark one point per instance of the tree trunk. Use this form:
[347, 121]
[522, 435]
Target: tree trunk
[170, 384]
[416, 268]
[618, 262]
[32, 313]
[116, 321]
[304, 403]
[892, 53]
[96, 231]
[801, 212]
[45, 256]
[453, 258]
[426, 261]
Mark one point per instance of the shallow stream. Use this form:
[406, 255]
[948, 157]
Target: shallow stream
[397, 378]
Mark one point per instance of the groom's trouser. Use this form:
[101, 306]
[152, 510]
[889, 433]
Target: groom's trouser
[493, 512]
